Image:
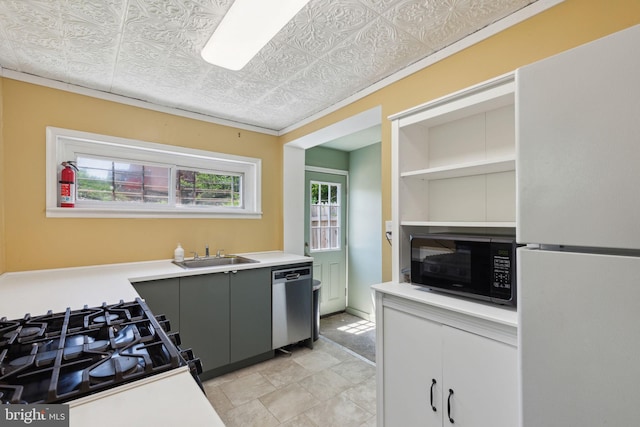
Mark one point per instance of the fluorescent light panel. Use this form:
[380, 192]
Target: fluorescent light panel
[246, 28]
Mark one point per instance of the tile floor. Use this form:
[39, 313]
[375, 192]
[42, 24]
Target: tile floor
[327, 386]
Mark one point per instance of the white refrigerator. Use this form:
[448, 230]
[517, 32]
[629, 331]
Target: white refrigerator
[578, 211]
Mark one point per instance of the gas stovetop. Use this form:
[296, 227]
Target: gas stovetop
[58, 357]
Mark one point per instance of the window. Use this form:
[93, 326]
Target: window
[118, 177]
[208, 189]
[325, 216]
[107, 180]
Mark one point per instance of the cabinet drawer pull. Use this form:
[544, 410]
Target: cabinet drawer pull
[449, 406]
[433, 383]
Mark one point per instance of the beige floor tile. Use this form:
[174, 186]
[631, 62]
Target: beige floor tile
[247, 388]
[300, 351]
[355, 371]
[250, 414]
[363, 395]
[334, 349]
[338, 412]
[231, 376]
[299, 421]
[371, 422]
[324, 387]
[325, 384]
[317, 361]
[284, 374]
[267, 365]
[218, 399]
[288, 402]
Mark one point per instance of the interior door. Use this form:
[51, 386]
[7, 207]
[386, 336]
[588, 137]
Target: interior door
[325, 231]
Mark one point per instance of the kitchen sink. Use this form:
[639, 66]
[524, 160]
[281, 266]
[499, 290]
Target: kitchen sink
[214, 261]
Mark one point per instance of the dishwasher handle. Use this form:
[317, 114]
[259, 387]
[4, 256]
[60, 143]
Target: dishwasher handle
[288, 275]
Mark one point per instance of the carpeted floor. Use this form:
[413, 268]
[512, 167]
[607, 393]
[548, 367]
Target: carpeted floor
[354, 333]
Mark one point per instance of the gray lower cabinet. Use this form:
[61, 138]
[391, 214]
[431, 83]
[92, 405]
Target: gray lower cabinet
[162, 297]
[224, 318]
[204, 318]
[250, 313]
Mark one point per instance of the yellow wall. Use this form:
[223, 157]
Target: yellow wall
[562, 27]
[33, 241]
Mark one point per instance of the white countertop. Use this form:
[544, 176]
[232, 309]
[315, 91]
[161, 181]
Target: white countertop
[36, 292]
[507, 316]
[165, 400]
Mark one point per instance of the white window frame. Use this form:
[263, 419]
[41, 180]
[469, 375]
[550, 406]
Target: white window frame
[66, 144]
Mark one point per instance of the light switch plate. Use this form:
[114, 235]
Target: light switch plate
[387, 226]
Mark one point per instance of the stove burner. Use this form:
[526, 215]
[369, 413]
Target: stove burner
[24, 332]
[126, 335]
[115, 364]
[103, 319]
[21, 361]
[58, 357]
[71, 352]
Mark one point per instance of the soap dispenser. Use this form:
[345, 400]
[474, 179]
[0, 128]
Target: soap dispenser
[178, 254]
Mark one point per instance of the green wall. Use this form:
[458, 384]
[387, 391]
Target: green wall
[365, 232]
[327, 158]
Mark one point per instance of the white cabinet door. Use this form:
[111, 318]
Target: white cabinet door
[412, 360]
[480, 381]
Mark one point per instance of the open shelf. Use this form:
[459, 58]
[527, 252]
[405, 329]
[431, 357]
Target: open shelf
[464, 169]
[466, 224]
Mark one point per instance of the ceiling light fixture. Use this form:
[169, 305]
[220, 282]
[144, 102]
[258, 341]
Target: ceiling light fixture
[246, 28]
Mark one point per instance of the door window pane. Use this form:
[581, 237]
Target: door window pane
[325, 226]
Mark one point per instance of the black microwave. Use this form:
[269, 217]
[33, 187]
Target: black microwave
[477, 266]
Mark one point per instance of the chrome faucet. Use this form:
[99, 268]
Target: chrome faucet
[218, 254]
[195, 255]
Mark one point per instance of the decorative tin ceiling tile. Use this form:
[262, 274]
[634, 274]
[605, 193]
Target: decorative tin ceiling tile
[10, 60]
[150, 50]
[313, 82]
[376, 50]
[324, 23]
[277, 62]
[379, 5]
[442, 22]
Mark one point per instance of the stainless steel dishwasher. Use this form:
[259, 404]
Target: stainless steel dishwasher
[292, 302]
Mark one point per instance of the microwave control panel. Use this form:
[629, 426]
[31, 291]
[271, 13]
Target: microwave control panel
[501, 256]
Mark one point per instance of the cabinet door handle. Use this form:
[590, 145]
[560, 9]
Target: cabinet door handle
[433, 384]
[449, 406]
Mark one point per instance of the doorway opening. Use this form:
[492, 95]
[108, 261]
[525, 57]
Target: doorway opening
[357, 139]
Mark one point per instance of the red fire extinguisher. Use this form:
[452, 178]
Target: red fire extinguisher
[68, 185]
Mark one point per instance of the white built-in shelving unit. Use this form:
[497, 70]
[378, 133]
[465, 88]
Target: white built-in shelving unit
[453, 166]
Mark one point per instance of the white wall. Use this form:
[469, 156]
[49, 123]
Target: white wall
[293, 200]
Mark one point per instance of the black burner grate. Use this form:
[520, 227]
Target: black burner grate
[57, 357]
